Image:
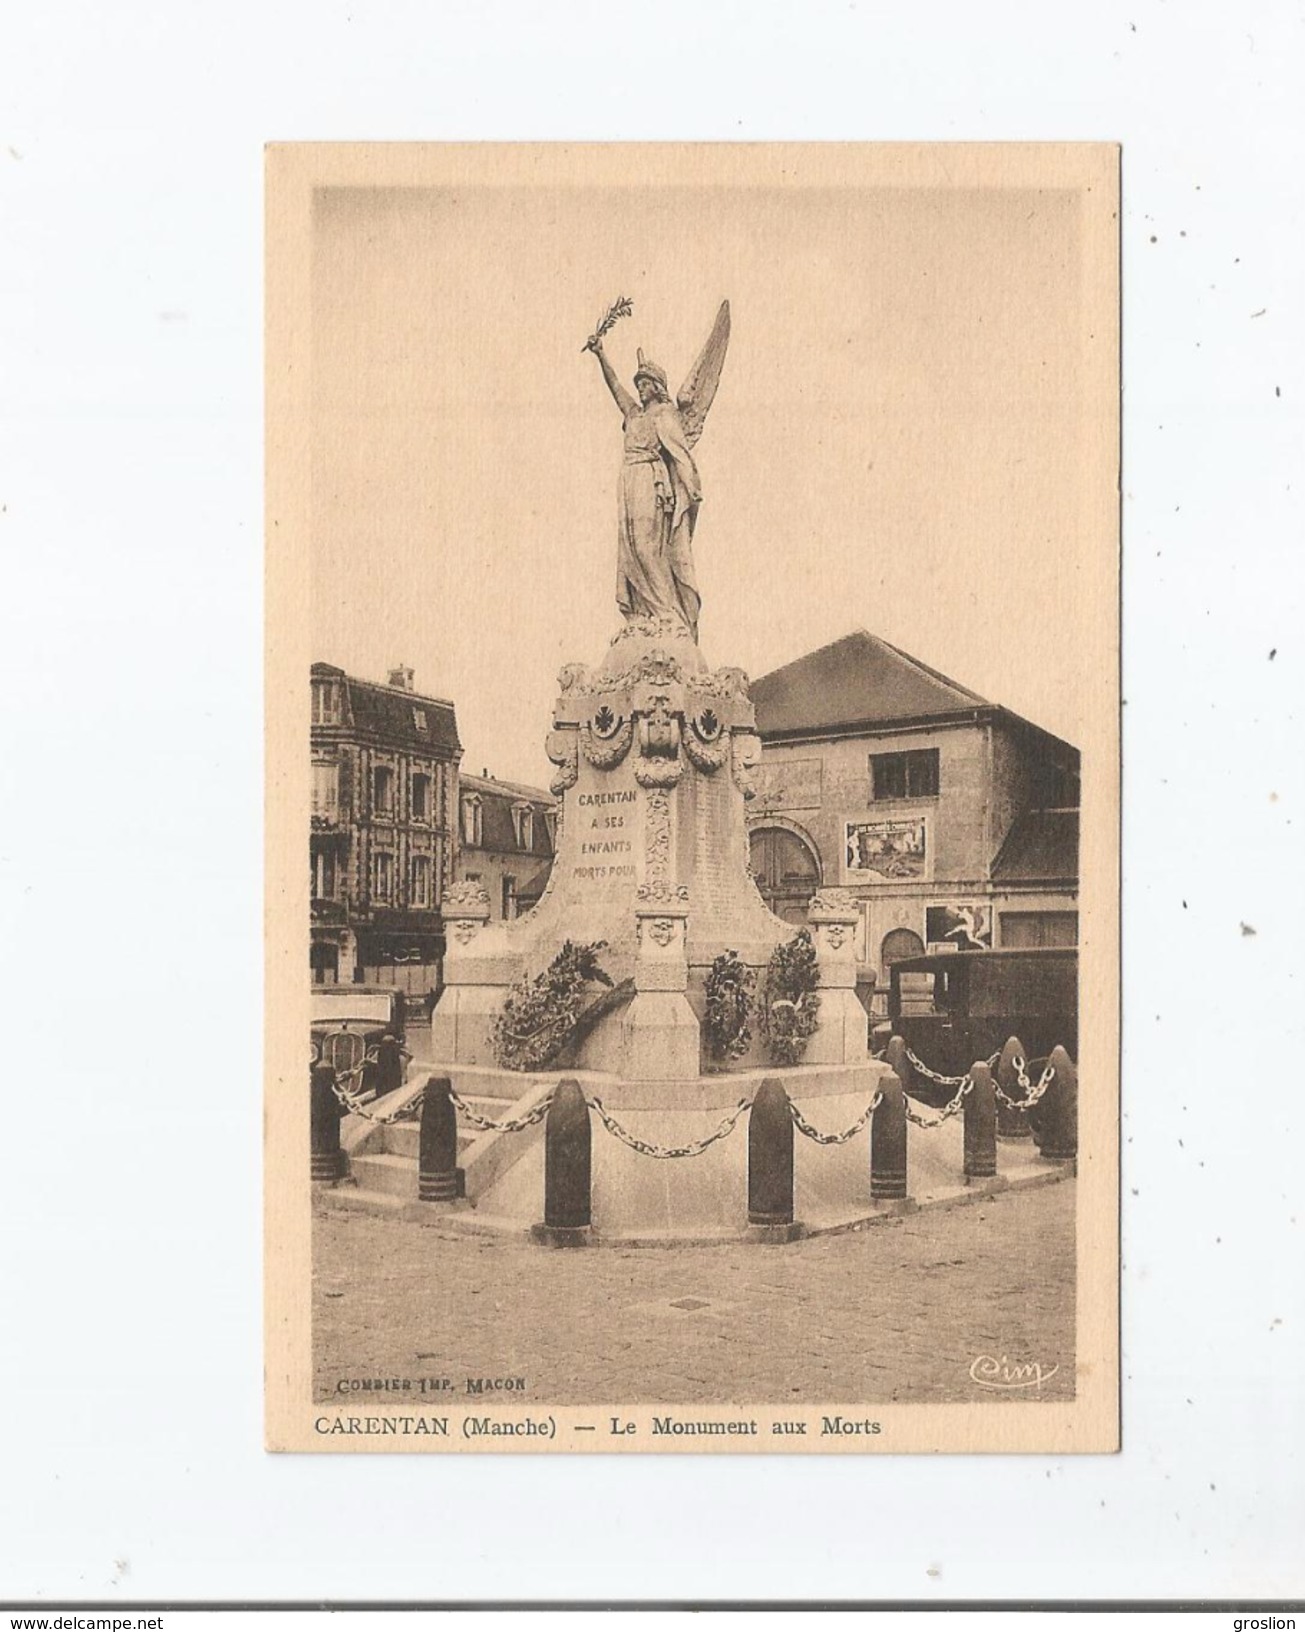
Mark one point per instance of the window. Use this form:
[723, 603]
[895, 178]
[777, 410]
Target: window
[326, 790]
[382, 875]
[323, 883]
[326, 702]
[471, 820]
[421, 881]
[1021, 929]
[420, 797]
[550, 827]
[419, 718]
[383, 791]
[912, 775]
[509, 896]
[1056, 785]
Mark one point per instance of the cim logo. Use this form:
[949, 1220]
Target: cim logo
[990, 1372]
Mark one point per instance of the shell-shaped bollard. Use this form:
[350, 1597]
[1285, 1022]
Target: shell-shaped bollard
[888, 1143]
[437, 1161]
[1011, 1124]
[567, 1167]
[770, 1156]
[980, 1125]
[1058, 1127]
[324, 1114]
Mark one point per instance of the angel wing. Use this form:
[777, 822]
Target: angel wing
[699, 389]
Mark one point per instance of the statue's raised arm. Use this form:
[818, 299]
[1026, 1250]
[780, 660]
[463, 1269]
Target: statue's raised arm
[698, 392]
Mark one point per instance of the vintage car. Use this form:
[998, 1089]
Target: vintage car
[375, 1016]
[953, 1008]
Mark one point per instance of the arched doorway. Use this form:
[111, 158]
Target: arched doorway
[898, 943]
[787, 872]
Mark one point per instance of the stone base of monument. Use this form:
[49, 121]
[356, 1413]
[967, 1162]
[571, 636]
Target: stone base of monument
[640, 1200]
[654, 754]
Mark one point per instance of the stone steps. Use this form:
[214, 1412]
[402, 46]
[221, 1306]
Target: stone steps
[404, 1139]
[387, 1174]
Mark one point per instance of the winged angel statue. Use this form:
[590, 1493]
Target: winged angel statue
[659, 491]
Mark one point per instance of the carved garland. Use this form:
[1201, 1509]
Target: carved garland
[724, 683]
[658, 892]
[707, 742]
[468, 896]
[657, 836]
[835, 900]
[604, 749]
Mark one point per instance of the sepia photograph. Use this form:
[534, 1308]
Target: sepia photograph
[693, 687]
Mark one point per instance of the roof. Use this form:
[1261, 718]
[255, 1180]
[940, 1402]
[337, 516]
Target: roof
[859, 680]
[514, 790]
[533, 887]
[1041, 847]
[395, 714]
[497, 829]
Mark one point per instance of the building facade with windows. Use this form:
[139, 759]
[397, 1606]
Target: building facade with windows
[506, 837]
[383, 828]
[952, 820]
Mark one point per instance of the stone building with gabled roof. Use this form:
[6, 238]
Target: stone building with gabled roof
[952, 820]
[383, 828]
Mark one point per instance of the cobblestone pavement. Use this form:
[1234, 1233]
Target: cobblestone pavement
[896, 1312]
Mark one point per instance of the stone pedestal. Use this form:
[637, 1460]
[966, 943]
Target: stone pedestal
[660, 1032]
[842, 1034]
[463, 1022]
[653, 753]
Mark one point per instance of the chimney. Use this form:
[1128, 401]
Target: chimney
[401, 678]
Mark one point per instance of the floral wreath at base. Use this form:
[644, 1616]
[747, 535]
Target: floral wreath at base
[790, 1001]
[540, 1012]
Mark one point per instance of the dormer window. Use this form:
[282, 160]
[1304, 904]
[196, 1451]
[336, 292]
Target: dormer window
[419, 718]
[326, 702]
[523, 820]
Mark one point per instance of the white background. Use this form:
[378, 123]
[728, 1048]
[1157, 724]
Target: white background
[130, 839]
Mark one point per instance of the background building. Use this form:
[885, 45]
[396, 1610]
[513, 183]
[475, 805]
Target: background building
[953, 820]
[506, 834]
[384, 801]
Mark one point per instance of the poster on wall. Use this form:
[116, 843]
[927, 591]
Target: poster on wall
[886, 849]
[787, 784]
[959, 928]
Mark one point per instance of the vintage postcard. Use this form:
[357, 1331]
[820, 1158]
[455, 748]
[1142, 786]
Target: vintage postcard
[693, 798]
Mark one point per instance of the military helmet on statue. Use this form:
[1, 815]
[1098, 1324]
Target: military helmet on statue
[650, 371]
